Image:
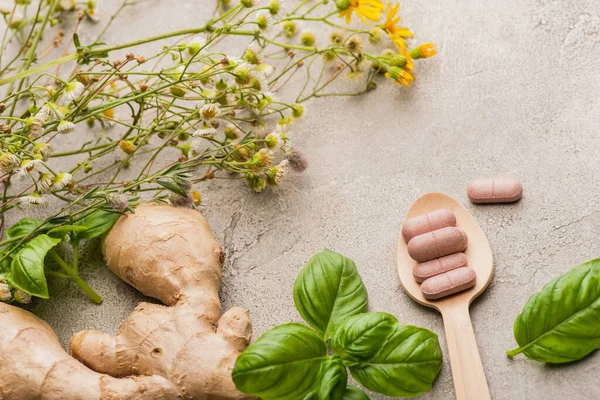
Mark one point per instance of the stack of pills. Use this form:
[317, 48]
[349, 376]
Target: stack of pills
[437, 244]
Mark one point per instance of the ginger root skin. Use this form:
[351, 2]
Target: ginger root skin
[170, 254]
[184, 350]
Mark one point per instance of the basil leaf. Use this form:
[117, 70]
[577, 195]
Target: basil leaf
[562, 322]
[359, 338]
[27, 267]
[354, 393]
[5, 264]
[23, 227]
[406, 365]
[284, 363]
[96, 223]
[327, 290]
[334, 380]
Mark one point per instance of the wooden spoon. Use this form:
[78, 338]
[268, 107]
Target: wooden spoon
[467, 369]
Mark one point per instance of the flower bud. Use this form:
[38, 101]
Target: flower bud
[336, 37]
[248, 3]
[423, 51]
[127, 146]
[297, 110]
[5, 293]
[177, 91]
[289, 28]
[22, 297]
[343, 5]
[307, 38]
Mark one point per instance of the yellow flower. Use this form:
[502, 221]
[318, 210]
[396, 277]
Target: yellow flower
[366, 10]
[423, 51]
[396, 33]
[400, 76]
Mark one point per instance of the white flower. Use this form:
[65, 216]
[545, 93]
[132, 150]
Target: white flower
[265, 70]
[33, 200]
[205, 131]
[209, 112]
[46, 181]
[277, 173]
[5, 293]
[264, 157]
[36, 128]
[22, 297]
[194, 47]
[66, 126]
[8, 162]
[62, 180]
[67, 5]
[43, 149]
[27, 166]
[264, 20]
[49, 112]
[73, 90]
[273, 140]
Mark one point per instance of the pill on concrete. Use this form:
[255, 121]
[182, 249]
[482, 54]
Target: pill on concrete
[427, 269]
[505, 190]
[432, 221]
[437, 244]
[449, 283]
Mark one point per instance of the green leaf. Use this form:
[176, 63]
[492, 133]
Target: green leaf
[61, 231]
[5, 264]
[96, 223]
[333, 381]
[562, 322]
[359, 338]
[405, 366]
[284, 363]
[23, 227]
[354, 393]
[27, 267]
[327, 290]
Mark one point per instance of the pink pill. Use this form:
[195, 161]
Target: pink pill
[437, 244]
[432, 221]
[423, 271]
[504, 190]
[449, 283]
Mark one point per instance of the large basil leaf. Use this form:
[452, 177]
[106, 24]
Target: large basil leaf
[334, 380]
[23, 227]
[96, 223]
[27, 266]
[359, 338]
[562, 322]
[329, 289]
[284, 363]
[354, 393]
[405, 366]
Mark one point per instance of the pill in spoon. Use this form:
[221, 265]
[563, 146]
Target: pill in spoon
[427, 269]
[432, 221]
[437, 244]
[448, 283]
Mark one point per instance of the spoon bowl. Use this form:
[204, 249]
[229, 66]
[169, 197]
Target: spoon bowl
[467, 370]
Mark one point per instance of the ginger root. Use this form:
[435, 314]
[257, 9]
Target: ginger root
[159, 352]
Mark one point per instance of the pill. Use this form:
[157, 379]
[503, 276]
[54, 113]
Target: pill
[432, 221]
[495, 190]
[438, 266]
[449, 283]
[437, 244]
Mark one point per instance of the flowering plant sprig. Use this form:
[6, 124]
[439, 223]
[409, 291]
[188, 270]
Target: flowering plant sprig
[153, 127]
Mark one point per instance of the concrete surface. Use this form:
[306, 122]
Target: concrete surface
[513, 92]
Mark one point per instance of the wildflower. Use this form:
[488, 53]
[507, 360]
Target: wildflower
[36, 127]
[5, 293]
[33, 200]
[205, 131]
[248, 3]
[182, 201]
[110, 113]
[285, 121]
[297, 160]
[46, 181]
[263, 158]
[73, 90]
[266, 70]
[276, 174]
[195, 46]
[274, 7]
[22, 297]
[400, 76]
[48, 112]
[43, 150]
[232, 132]
[273, 140]
[307, 38]
[196, 197]
[210, 111]
[336, 37]
[27, 166]
[251, 54]
[297, 110]
[366, 10]
[375, 35]
[263, 20]
[15, 20]
[354, 44]
[289, 28]
[242, 73]
[8, 162]
[423, 51]
[67, 5]
[396, 33]
[177, 91]
[256, 182]
[62, 180]
[66, 126]
[127, 146]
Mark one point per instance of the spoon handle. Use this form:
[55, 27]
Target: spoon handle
[467, 369]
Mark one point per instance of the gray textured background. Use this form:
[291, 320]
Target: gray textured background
[513, 92]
